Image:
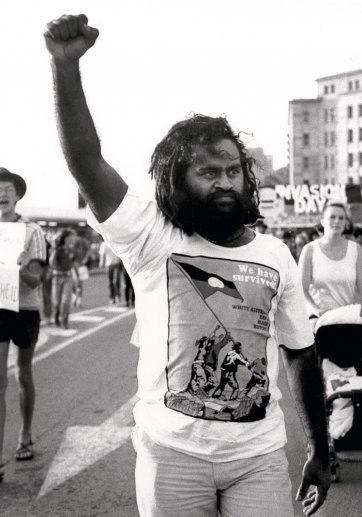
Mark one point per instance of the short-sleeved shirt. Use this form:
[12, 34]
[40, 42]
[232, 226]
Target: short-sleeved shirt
[107, 257]
[29, 298]
[195, 303]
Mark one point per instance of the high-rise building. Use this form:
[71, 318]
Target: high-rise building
[325, 133]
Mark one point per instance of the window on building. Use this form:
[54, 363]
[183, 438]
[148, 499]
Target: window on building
[350, 86]
[326, 161]
[306, 139]
[350, 160]
[360, 134]
[325, 89]
[360, 110]
[332, 88]
[356, 84]
[325, 139]
[350, 135]
[360, 158]
[325, 115]
[305, 162]
[306, 116]
[332, 161]
[333, 138]
[349, 111]
[332, 113]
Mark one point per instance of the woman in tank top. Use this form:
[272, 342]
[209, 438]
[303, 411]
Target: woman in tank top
[331, 266]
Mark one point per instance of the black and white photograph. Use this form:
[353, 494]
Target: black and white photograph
[180, 258]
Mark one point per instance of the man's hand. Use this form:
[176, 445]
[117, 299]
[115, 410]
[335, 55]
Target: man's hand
[317, 474]
[69, 37]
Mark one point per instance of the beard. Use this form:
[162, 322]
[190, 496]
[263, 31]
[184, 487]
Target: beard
[213, 217]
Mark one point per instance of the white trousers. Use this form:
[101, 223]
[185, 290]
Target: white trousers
[173, 484]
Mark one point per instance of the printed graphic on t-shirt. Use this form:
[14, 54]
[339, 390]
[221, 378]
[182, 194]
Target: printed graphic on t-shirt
[218, 331]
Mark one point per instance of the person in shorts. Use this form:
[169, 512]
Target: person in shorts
[22, 328]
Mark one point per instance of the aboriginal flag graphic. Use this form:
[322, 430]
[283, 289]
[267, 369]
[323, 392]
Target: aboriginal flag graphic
[207, 284]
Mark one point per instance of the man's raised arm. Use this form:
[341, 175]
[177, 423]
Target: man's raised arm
[68, 39]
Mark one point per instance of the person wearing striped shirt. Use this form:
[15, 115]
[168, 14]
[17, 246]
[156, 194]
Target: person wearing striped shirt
[22, 328]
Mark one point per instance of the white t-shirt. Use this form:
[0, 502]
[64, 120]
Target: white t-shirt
[334, 282]
[200, 391]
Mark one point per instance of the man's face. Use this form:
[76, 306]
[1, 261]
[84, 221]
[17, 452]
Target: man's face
[215, 176]
[215, 197]
[8, 197]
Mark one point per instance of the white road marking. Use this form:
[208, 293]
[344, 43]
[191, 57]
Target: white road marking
[101, 308]
[86, 319]
[112, 308]
[56, 331]
[84, 445]
[75, 338]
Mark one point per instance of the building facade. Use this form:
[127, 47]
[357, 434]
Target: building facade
[325, 133]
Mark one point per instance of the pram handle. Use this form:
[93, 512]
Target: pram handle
[345, 394]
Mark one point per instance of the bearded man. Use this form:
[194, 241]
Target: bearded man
[195, 264]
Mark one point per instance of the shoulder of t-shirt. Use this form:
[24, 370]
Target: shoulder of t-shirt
[267, 239]
[32, 225]
[35, 235]
[147, 201]
[123, 208]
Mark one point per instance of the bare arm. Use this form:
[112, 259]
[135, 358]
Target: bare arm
[67, 39]
[30, 271]
[305, 268]
[307, 387]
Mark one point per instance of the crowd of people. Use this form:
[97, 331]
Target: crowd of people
[52, 269]
[64, 271]
[297, 238]
[70, 259]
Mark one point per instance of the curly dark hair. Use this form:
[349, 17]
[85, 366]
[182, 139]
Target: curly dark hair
[174, 154]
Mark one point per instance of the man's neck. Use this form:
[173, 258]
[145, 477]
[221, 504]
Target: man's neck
[10, 217]
[238, 238]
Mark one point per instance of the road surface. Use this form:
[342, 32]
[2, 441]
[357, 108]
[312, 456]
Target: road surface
[86, 385]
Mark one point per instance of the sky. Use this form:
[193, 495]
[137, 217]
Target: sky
[156, 62]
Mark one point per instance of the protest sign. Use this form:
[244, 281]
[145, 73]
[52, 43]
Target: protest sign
[12, 239]
[9, 287]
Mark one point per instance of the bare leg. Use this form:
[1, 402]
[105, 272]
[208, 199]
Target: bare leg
[4, 350]
[26, 392]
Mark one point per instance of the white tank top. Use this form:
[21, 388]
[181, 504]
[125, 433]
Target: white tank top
[334, 282]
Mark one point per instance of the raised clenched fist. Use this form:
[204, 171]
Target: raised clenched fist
[69, 37]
